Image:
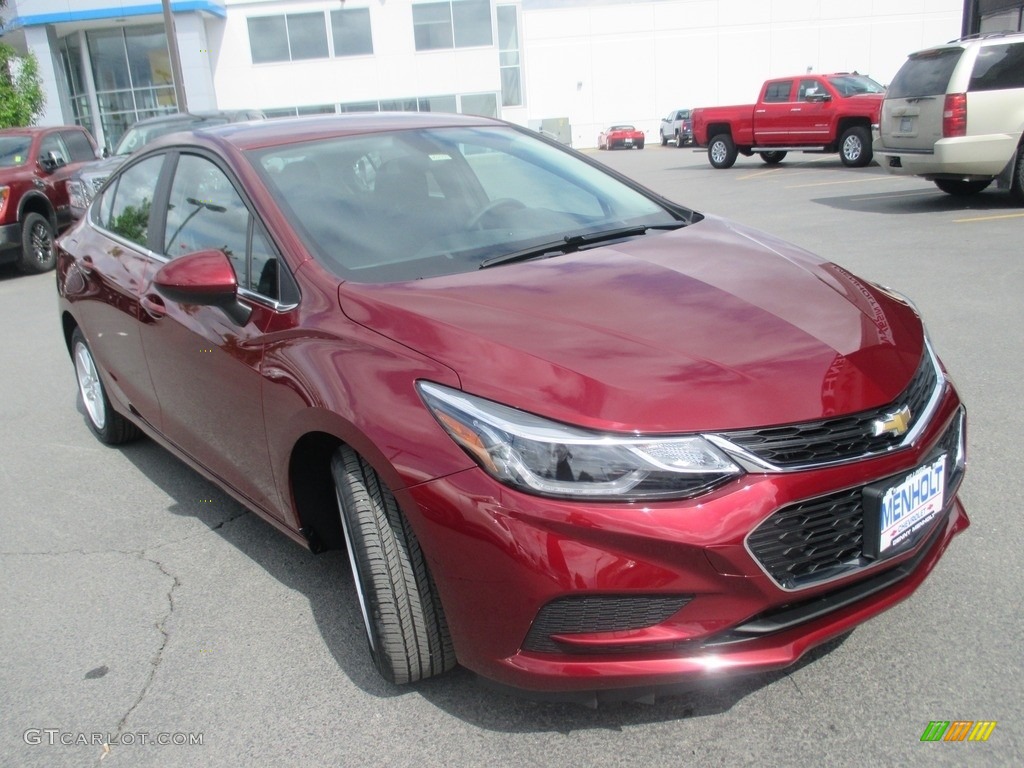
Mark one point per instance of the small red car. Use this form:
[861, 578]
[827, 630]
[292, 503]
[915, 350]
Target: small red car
[572, 436]
[625, 136]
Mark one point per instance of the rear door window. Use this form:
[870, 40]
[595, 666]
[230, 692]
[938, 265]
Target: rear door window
[925, 74]
[778, 92]
[998, 67]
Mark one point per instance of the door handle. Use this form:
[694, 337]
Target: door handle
[153, 305]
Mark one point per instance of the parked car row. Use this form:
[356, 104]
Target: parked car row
[954, 114]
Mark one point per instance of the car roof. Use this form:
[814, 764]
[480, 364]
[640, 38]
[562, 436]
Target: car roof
[290, 130]
[33, 130]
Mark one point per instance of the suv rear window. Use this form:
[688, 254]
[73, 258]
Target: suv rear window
[998, 67]
[925, 74]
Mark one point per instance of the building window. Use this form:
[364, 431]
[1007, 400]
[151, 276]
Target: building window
[453, 24]
[71, 58]
[1002, 21]
[293, 37]
[314, 109]
[508, 56]
[131, 67]
[483, 104]
[351, 31]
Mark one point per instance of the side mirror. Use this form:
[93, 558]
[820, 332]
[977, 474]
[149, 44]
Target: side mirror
[51, 161]
[204, 278]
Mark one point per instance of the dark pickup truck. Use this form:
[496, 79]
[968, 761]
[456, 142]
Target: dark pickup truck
[806, 113]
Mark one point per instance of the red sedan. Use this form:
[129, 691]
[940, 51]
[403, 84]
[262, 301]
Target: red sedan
[572, 436]
[624, 136]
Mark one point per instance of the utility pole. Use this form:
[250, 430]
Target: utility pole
[172, 46]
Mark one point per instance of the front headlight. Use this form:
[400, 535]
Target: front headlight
[548, 458]
[78, 195]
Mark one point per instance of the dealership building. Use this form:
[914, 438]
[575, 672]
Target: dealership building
[569, 66]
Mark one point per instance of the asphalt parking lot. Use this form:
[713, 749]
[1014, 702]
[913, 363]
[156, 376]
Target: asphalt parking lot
[139, 602]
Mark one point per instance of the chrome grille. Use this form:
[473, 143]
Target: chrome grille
[838, 439]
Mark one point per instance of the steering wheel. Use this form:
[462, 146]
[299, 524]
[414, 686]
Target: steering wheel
[502, 202]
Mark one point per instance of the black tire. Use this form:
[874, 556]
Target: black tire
[855, 147]
[1017, 179]
[405, 624]
[664, 141]
[773, 157]
[37, 251]
[960, 187]
[639, 146]
[722, 151]
[680, 140]
[108, 425]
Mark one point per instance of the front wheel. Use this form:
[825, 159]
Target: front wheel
[405, 624]
[773, 157]
[664, 141]
[961, 188]
[855, 147]
[37, 252]
[108, 425]
[722, 151]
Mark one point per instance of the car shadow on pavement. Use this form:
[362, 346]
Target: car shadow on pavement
[326, 582]
[927, 199]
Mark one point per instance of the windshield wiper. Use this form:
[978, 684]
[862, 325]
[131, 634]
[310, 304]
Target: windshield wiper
[572, 243]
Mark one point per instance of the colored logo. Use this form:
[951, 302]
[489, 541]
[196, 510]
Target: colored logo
[895, 424]
[958, 730]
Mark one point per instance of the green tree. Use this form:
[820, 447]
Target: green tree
[21, 88]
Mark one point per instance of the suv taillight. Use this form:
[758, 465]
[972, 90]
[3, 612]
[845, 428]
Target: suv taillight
[954, 115]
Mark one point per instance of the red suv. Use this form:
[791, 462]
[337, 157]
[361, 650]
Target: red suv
[35, 165]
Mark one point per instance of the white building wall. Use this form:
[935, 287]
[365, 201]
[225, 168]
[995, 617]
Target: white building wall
[395, 70]
[611, 61]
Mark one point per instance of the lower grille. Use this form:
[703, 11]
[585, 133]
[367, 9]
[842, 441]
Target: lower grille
[807, 541]
[595, 613]
[815, 540]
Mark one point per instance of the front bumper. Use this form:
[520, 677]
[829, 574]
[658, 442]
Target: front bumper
[964, 157]
[502, 559]
[10, 236]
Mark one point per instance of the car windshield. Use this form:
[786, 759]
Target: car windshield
[404, 205]
[852, 85]
[622, 128]
[140, 135]
[14, 150]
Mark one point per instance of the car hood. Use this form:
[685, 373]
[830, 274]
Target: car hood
[711, 327]
[101, 168]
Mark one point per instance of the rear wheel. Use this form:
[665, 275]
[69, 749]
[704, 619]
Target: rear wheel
[773, 157]
[855, 147]
[405, 625]
[108, 425]
[722, 151]
[680, 140]
[961, 188]
[37, 253]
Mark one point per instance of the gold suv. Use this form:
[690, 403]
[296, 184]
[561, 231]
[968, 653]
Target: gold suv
[954, 114]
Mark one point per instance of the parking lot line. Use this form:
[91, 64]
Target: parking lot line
[990, 218]
[896, 195]
[844, 181]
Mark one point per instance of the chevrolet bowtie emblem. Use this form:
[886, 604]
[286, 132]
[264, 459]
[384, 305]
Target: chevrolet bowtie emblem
[896, 423]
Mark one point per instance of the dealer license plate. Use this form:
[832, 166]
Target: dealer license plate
[897, 513]
[906, 124]
[629, 141]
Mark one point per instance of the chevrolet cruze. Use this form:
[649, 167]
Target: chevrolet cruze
[573, 436]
